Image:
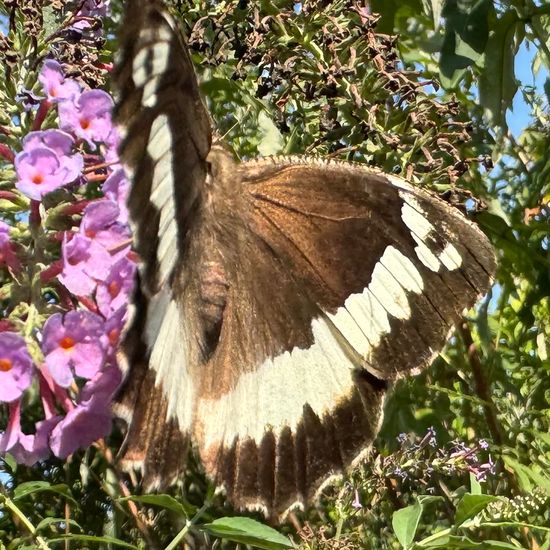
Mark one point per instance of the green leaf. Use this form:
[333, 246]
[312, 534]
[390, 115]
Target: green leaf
[453, 541]
[405, 523]
[271, 139]
[164, 501]
[466, 36]
[470, 505]
[49, 521]
[475, 485]
[10, 462]
[247, 531]
[30, 487]
[90, 538]
[497, 82]
[436, 8]
[500, 545]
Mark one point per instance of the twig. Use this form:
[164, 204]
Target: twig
[132, 507]
[481, 384]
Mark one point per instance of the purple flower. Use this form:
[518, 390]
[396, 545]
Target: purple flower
[26, 448]
[84, 263]
[432, 437]
[7, 255]
[114, 292]
[398, 471]
[100, 224]
[82, 426]
[39, 172]
[88, 18]
[89, 116]
[117, 187]
[112, 144]
[102, 387]
[15, 366]
[114, 324]
[73, 344]
[91, 418]
[483, 444]
[61, 144]
[28, 99]
[356, 501]
[95, 8]
[55, 85]
[402, 438]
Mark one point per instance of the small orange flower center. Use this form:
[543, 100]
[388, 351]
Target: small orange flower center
[114, 289]
[66, 342]
[84, 123]
[38, 179]
[5, 364]
[113, 336]
[90, 233]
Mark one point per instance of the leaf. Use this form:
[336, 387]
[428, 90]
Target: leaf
[247, 531]
[499, 545]
[453, 541]
[10, 462]
[90, 538]
[49, 521]
[470, 505]
[475, 485]
[527, 476]
[405, 523]
[31, 487]
[437, 7]
[497, 82]
[466, 36]
[164, 501]
[271, 139]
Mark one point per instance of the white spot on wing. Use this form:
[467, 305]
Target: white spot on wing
[403, 270]
[386, 295]
[414, 218]
[167, 340]
[159, 148]
[450, 257]
[389, 292]
[273, 396]
[150, 63]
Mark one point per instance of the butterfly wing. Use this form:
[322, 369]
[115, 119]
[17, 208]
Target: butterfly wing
[347, 281]
[339, 281]
[166, 141]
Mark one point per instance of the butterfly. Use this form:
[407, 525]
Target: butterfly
[278, 299]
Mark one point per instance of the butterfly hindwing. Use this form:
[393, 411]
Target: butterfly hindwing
[339, 290]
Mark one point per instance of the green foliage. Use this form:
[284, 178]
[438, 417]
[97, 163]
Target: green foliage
[328, 80]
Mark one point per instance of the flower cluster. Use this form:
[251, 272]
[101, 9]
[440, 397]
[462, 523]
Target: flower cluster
[67, 268]
[419, 464]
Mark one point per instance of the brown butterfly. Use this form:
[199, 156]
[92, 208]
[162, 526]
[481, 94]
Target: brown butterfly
[278, 298]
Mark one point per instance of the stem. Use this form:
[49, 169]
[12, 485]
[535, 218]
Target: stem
[41, 543]
[481, 384]
[132, 507]
[188, 526]
[541, 40]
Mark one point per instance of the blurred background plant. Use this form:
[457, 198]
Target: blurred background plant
[453, 95]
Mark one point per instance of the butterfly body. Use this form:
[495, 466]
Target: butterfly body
[279, 298]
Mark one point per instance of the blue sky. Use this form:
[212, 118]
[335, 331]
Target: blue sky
[518, 118]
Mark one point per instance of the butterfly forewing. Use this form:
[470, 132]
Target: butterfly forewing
[279, 298]
[166, 138]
